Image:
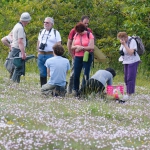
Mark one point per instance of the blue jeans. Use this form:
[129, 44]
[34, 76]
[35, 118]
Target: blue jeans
[78, 65]
[41, 64]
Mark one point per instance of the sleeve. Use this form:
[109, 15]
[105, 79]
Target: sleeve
[71, 34]
[68, 65]
[110, 80]
[47, 64]
[133, 44]
[8, 39]
[89, 30]
[58, 37]
[91, 36]
[21, 32]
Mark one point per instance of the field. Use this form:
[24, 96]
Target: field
[30, 121]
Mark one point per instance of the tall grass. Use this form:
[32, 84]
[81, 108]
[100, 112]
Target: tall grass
[30, 121]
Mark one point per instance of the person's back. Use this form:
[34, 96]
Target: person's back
[103, 76]
[58, 70]
[98, 81]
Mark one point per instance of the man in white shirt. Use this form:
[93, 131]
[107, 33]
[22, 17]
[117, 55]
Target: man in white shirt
[46, 40]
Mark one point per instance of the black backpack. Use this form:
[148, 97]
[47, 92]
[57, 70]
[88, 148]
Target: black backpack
[140, 45]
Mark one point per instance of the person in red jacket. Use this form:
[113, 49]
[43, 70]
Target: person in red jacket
[85, 21]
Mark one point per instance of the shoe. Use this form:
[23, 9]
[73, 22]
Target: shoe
[75, 93]
[126, 97]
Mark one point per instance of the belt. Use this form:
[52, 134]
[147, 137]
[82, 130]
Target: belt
[45, 53]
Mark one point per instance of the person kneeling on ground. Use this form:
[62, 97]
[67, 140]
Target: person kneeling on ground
[98, 82]
[57, 68]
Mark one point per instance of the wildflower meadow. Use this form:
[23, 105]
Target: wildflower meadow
[30, 121]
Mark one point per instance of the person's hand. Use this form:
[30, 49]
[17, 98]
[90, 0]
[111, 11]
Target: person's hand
[122, 41]
[23, 56]
[79, 48]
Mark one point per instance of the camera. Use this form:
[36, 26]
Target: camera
[42, 46]
[121, 52]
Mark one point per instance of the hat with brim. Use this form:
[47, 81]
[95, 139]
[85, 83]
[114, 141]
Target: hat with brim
[25, 17]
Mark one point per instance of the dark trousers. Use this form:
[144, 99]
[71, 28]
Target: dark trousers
[92, 85]
[18, 71]
[130, 71]
[78, 65]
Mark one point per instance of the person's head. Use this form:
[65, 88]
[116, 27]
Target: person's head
[85, 20]
[58, 49]
[25, 18]
[112, 71]
[122, 36]
[48, 23]
[80, 27]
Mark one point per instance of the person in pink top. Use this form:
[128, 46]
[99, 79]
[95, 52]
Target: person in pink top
[81, 43]
[85, 20]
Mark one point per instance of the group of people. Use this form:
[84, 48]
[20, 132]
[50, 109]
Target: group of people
[80, 44]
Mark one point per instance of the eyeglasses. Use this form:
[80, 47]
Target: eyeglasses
[46, 22]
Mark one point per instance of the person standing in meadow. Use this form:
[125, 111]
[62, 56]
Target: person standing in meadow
[82, 44]
[19, 44]
[130, 60]
[47, 38]
[85, 20]
[7, 40]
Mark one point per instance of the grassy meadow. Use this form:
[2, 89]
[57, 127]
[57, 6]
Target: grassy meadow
[29, 121]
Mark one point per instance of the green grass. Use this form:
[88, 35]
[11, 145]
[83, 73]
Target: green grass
[30, 121]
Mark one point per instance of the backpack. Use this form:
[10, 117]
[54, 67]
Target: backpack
[140, 45]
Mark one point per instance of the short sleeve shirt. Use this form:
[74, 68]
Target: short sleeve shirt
[73, 32]
[82, 40]
[58, 70]
[104, 77]
[129, 59]
[18, 33]
[49, 38]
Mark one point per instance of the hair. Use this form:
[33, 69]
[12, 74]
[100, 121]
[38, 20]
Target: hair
[58, 49]
[80, 27]
[122, 35]
[50, 19]
[112, 71]
[84, 17]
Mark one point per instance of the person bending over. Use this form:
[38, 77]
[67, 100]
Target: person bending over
[98, 82]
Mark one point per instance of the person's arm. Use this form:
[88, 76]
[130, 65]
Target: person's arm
[85, 48]
[69, 44]
[6, 42]
[129, 51]
[48, 72]
[22, 48]
[37, 46]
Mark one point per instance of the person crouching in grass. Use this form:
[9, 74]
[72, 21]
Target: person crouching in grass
[98, 82]
[57, 68]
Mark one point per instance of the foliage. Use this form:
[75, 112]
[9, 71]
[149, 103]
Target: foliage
[107, 18]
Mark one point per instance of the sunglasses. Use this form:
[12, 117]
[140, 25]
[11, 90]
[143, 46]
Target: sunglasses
[46, 22]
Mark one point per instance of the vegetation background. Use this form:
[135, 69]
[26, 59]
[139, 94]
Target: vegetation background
[30, 121]
[107, 18]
